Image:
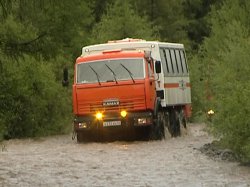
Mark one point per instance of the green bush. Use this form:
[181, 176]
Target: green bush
[32, 102]
[224, 61]
[232, 99]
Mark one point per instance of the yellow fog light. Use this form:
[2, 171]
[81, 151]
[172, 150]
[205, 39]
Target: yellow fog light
[99, 116]
[123, 113]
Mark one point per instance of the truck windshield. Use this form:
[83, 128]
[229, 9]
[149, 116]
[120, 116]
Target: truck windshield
[85, 73]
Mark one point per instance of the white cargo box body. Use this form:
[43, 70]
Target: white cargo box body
[173, 84]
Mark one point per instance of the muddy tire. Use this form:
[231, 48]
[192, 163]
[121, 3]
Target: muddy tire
[158, 129]
[80, 137]
[142, 133]
[174, 123]
[166, 123]
[182, 119]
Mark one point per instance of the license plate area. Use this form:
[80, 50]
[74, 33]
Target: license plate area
[111, 123]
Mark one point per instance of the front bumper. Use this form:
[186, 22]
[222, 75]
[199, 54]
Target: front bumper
[113, 120]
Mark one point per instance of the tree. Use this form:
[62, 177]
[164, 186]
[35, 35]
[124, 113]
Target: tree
[168, 16]
[120, 22]
[225, 58]
[47, 27]
[197, 13]
[37, 38]
[99, 7]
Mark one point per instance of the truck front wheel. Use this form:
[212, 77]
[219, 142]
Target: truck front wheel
[86, 136]
[158, 129]
[80, 137]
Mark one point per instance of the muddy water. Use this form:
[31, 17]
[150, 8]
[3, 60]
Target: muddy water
[59, 161]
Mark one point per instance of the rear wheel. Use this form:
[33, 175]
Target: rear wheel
[166, 123]
[182, 119]
[174, 126]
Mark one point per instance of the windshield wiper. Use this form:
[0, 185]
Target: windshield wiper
[113, 73]
[98, 77]
[130, 74]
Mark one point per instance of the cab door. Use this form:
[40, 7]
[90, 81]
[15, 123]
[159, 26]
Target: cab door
[150, 88]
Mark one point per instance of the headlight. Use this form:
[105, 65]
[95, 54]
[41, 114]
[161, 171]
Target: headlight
[99, 116]
[123, 113]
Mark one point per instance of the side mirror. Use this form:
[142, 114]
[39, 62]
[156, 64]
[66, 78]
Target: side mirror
[65, 81]
[158, 66]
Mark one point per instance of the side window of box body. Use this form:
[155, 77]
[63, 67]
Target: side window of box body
[168, 67]
[174, 61]
[169, 62]
[184, 62]
[164, 61]
[179, 62]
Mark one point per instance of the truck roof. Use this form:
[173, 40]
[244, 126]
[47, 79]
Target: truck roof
[128, 44]
[111, 54]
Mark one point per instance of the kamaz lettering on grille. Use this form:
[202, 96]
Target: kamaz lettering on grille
[111, 103]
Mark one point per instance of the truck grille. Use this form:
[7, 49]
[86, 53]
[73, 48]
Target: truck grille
[128, 104]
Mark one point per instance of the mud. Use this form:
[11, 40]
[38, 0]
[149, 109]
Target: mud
[59, 161]
[216, 152]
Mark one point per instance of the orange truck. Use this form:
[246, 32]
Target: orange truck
[131, 86]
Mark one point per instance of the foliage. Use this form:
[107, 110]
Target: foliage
[167, 17]
[44, 27]
[199, 89]
[37, 39]
[120, 22]
[225, 57]
[99, 8]
[33, 103]
[196, 13]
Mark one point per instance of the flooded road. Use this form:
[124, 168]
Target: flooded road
[59, 161]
